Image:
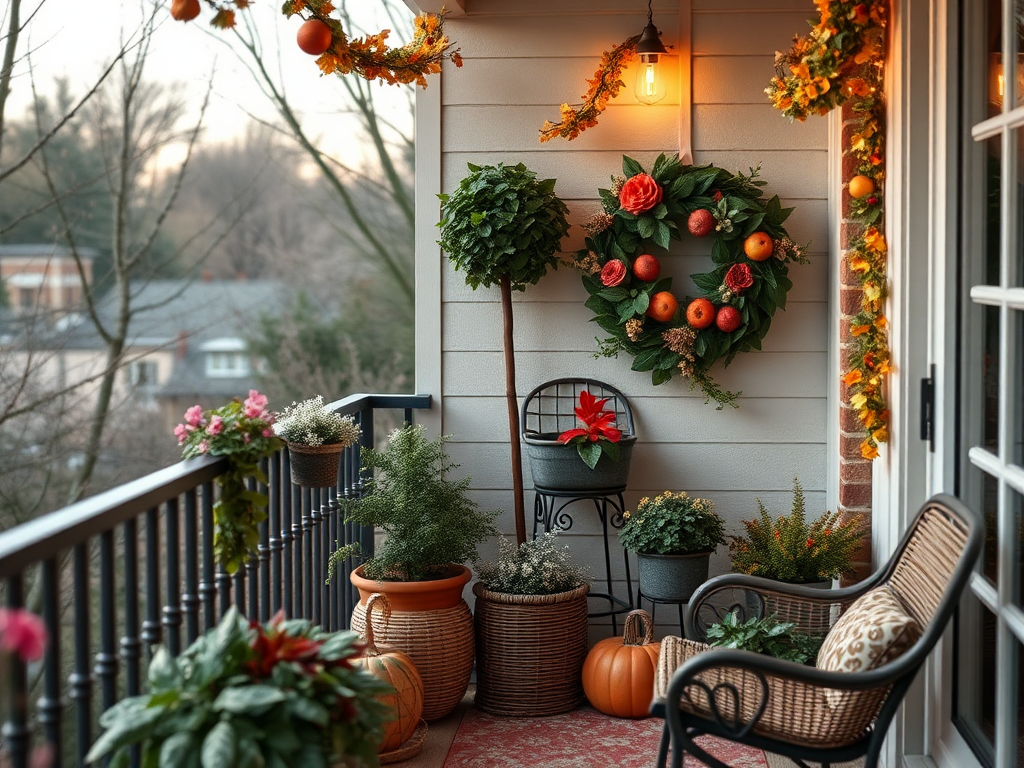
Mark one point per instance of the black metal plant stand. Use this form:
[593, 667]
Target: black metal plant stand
[549, 511]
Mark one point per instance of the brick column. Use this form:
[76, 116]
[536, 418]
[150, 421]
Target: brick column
[854, 470]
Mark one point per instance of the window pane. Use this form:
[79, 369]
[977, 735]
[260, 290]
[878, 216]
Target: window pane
[989, 374]
[976, 675]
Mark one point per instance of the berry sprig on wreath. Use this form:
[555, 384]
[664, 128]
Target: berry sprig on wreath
[841, 61]
[635, 305]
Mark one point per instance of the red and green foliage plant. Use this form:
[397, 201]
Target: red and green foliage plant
[788, 548]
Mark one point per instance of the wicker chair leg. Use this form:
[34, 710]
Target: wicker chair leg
[663, 748]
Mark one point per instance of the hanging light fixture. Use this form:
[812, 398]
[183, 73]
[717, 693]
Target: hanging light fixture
[650, 80]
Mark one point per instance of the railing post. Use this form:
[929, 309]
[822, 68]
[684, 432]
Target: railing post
[49, 705]
[15, 731]
[131, 645]
[81, 681]
[307, 553]
[274, 542]
[190, 600]
[172, 608]
[106, 659]
[208, 586]
[287, 537]
[151, 626]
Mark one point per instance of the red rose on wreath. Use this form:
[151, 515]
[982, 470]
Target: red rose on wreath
[640, 193]
[613, 273]
[738, 278]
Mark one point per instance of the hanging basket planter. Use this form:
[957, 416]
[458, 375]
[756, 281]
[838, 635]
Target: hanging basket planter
[315, 466]
[518, 675]
[558, 467]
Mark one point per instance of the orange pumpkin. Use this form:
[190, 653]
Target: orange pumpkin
[396, 669]
[618, 675]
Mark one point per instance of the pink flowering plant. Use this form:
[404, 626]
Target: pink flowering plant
[23, 637]
[243, 431]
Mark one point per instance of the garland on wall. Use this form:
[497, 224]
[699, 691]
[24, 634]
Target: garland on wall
[841, 61]
[634, 304]
[605, 85]
[323, 36]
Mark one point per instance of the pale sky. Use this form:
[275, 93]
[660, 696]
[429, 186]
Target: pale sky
[75, 39]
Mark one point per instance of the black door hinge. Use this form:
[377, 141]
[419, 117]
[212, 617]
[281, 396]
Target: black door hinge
[928, 410]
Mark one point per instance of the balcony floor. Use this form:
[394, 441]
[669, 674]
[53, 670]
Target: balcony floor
[442, 735]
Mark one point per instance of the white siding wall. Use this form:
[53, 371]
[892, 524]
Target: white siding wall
[521, 60]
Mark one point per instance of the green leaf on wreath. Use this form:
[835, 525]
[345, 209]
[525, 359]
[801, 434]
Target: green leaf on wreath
[631, 167]
[659, 376]
[662, 235]
[641, 303]
[645, 227]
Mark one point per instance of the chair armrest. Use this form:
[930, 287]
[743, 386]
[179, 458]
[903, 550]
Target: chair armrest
[809, 608]
[734, 688]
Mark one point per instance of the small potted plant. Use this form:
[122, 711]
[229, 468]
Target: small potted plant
[593, 456]
[533, 598]
[788, 548]
[673, 536]
[764, 634]
[284, 694]
[316, 438]
[243, 432]
[431, 528]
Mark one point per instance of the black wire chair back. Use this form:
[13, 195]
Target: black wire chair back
[549, 409]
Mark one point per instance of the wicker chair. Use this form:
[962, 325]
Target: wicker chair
[795, 710]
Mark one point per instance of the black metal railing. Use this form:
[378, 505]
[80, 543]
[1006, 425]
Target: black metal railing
[118, 574]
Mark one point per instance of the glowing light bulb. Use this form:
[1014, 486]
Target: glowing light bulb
[650, 84]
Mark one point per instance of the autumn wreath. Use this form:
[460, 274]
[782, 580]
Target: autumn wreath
[750, 248]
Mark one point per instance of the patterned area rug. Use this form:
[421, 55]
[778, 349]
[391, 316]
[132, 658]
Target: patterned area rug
[583, 738]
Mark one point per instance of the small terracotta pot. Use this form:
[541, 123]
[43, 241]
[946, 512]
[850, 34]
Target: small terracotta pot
[436, 594]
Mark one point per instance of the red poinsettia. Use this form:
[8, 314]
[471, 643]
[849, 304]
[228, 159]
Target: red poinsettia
[597, 435]
[273, 645]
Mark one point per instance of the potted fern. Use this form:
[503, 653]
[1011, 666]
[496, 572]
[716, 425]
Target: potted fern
[431, 527]
[791, 549]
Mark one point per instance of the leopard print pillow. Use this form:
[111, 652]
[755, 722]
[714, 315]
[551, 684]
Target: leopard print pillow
[874, 631]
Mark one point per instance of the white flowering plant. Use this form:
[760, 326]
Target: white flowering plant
[309, 423]
[536, 567]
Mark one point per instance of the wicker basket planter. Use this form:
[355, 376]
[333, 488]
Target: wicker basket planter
[436, 633]
[558, 467]
[530, 651]
[315, 466]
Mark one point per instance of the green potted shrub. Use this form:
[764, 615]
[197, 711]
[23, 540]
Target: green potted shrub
[431, 528]
[283, 694]
[532, 598]
[673, 536]
[503, 227]
[316, 438]
[788, 548]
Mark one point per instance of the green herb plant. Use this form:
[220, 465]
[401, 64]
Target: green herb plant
[788, 548]
[429, 521]
[673, 523]
[536, 567]
[765, 635]
[503, 227]
[284, 695]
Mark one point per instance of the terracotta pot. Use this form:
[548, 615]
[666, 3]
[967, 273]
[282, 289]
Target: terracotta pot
[432, 624]
[435, 594]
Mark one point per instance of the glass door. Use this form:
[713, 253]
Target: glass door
[987, 708]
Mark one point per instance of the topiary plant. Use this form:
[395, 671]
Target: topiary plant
[502, 227]
[429, 521]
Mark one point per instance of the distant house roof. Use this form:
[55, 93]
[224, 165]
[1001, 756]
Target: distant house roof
[189, 319]
[42, 251]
